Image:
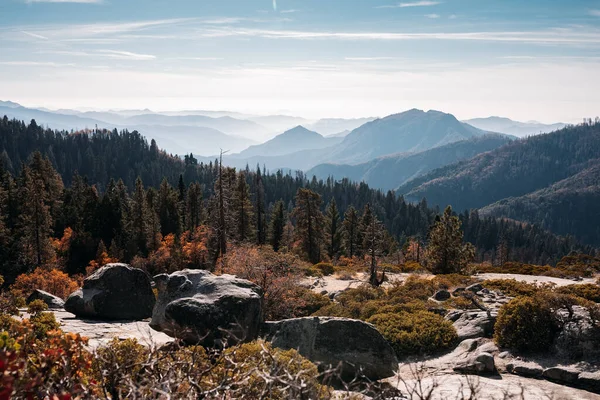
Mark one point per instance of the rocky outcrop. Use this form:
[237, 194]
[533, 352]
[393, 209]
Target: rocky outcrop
[115, 291]
[355, 346]
[482, 363]
[526, 369]
[589, 381]
[474, 324]
[442, 295]
[561, 375]
[579, 336]
[53, 302]
[199, 307]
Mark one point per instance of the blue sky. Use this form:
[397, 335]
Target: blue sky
[522, 59]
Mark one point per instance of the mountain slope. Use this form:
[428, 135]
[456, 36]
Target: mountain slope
[510, 127]
[291, 141]
[566, 207]
[551, 170]
[410, 131]
[389, 172]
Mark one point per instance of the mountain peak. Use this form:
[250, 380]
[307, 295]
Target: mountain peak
[299, 130]
[9, 104]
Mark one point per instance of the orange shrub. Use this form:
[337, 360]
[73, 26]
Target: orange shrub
[50, 280]
[277, 273]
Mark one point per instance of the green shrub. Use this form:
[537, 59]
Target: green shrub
[586, 291]
[420, 332]
[37, 306]
[115, 362]
[511, 287]
[526, 324]
[314, 272]
[325, 268]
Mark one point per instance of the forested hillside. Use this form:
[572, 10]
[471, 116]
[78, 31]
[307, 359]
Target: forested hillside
[83, 189]
[530, 168]
[387, 173]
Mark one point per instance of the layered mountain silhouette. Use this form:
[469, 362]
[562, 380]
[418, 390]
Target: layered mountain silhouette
[291, 141]
[516, 128]
[410, 131]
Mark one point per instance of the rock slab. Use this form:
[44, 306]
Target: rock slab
[201, 308]
[482, 363]
[355, 346]
[53, 302]
[475, 324]
[114, 292]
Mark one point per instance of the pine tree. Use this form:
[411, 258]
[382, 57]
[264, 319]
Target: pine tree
[261, 219]
[243, 209]
[333, 231]
[351, 232]
[221, 228]
[35, 221]
[446, 253]
[194, 214]
[277, 225]
[309, 223]
[153, 221]
[168, 209]
[139, 221]
[373, 240]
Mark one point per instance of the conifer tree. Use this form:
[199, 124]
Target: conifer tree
[194, 214]
[309, 223]
[153, 222]
[35, 221]
[333, 231]
[277, 226]
[351, 232]
[446, 253]
[243, 209]
[139, 221]
[261, 219]
[168, 209]
[373, 238]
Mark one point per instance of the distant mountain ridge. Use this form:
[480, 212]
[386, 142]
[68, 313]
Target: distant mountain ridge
[552, 180]
[291, 141]
[389, 172]
[410, 131]
[516, 128]
[178, 139]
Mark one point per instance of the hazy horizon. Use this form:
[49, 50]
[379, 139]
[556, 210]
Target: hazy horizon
[314, 59]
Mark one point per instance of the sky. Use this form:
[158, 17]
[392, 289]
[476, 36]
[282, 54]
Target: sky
[526, 60]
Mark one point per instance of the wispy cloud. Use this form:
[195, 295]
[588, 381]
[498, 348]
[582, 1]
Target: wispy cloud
[66, 1]
[412, 4]
[114, 54]
[36, 64]
[197, 58]
[34, 35]
[369, 58]
[289, 11]
[595, 13]
[432, 16]
[556, 37]
[126, 55]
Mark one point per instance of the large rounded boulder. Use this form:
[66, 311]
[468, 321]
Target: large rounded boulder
[114, 292]
[201, 308]
[353, 346]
